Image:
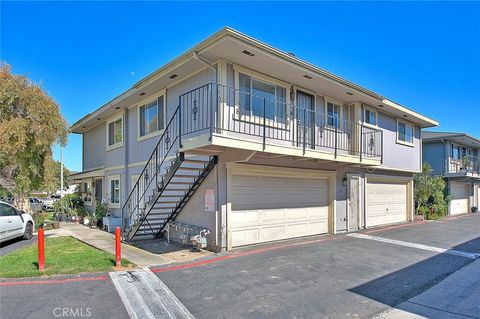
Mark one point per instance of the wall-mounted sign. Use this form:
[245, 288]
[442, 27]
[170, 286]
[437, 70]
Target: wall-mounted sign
[210, 200]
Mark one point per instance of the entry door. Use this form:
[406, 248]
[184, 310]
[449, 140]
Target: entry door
[305, 119]
[353, 203]
[99, 190]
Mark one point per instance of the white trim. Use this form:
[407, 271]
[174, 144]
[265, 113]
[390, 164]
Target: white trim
[114, 168]
[110, 178]
[143, 104]
[113, 119]
[406, 143]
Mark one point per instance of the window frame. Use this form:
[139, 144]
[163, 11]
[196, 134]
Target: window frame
[113, 120]
[371, 110]
[146, 102]
[338, 103]
[406, 143]
[256, 119]
[110, 179]
[87, 182]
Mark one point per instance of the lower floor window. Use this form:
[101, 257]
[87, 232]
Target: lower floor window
[87, 191]
[114, 190]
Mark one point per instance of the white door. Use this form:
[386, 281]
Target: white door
[459, 203]
[386, 203]
[273, 208]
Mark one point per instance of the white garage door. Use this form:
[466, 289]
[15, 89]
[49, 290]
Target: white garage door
[272, 208]
[386, 203]
[459, 203]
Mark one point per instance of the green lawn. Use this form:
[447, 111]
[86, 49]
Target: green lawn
[63, 255]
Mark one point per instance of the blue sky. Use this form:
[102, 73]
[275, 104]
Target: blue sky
[423, 55]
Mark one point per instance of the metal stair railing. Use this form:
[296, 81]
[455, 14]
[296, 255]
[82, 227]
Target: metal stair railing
[151, 176]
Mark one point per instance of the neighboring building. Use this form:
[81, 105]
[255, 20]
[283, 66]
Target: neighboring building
[455, 156]
[253, 144]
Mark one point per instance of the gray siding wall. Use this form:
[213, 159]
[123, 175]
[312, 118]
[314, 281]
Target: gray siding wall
[396, 155]
[434, 155]
[94, 147]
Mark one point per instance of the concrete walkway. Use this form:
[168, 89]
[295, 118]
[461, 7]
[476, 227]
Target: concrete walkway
[456, 297]
[106, 241]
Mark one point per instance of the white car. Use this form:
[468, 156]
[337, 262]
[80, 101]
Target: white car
[14, 223]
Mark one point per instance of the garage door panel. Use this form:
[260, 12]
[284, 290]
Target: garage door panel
[245, 218]
[274, 208]
[459, 202]
[386, 202]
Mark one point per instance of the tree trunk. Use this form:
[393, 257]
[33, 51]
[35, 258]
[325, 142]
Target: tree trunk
[21, 202]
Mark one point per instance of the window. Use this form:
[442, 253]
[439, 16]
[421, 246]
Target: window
[333, 114]
[114, 191]
[6, 210]
[152, 117]
[257, 97]
[115, 132]
[87, 191]
[455, 152]
[404, 133]
[370, 117]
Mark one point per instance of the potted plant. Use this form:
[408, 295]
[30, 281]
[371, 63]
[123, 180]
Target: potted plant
[474, 209]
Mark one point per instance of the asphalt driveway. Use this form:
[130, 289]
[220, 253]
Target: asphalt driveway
[318, 277]
[334, 277]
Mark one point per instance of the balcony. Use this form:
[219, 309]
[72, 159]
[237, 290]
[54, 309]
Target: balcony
[467, 165]
[232, 118]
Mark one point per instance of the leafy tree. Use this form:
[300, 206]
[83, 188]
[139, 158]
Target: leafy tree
[30, 124]
[52, 176]
[430, 194]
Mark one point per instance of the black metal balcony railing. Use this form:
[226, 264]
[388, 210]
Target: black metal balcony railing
[465, 164]
[246, 116]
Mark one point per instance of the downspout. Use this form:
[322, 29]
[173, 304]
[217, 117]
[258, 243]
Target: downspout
[126, 149]
[208, 64]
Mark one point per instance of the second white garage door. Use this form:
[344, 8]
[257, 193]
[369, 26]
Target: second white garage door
[268, 208]
[459, 202]
[386, 202]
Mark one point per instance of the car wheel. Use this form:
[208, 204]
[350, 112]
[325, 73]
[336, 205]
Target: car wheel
[28, 234]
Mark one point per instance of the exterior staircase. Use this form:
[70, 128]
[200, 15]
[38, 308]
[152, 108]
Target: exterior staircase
[181, 180]
[168, 181]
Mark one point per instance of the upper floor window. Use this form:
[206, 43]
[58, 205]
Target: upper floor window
[152, 117]
[257, 97]
[115, 132]
[333, 114]
[455, 152]
[370, 117]
[404, 133]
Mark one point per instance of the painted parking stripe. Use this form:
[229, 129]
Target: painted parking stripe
[146, 296]
[417, 246]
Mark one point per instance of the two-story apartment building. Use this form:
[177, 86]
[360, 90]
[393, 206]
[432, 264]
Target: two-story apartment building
[456, 157]
[253, 144]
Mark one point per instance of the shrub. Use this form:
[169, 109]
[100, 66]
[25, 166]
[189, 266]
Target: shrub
[431, 201]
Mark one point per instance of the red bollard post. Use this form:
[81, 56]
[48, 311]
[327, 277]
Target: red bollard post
[118, 253]
[41, 250]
